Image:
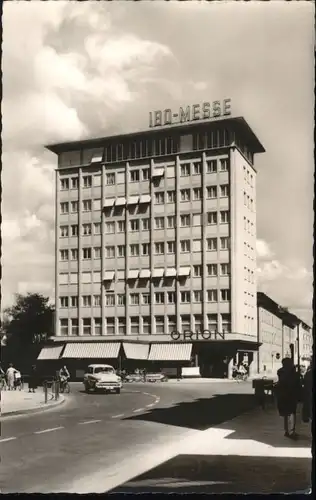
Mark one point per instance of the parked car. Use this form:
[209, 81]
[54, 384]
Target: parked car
[156, 377]
[102, 377]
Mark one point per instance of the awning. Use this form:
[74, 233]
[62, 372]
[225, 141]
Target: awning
[169, 273]
[158, 273]
[144, 273]
[184, 271]
[109, 202]
[158, 172]
[133, 274]
[96, 350]
[145, 198]
[52, 352]
[108, 275]
[170, 352]
[132, 200]
[119, 202]
[97, 158]
[136, 351]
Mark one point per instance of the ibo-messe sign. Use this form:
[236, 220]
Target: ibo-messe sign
[196, 112]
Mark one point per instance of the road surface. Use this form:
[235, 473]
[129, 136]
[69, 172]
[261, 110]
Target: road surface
[91, 433]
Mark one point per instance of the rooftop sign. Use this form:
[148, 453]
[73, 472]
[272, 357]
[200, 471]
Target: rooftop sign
[195, 112]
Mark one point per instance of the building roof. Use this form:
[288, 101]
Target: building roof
[281, 312]
[238, 123]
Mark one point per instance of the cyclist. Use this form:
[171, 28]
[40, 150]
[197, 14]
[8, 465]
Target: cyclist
[64, 376]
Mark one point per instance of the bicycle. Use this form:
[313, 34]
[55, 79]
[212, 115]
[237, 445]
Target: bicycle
[241, 377]
[64, 387]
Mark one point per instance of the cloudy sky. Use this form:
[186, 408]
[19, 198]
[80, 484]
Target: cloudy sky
[84, 69]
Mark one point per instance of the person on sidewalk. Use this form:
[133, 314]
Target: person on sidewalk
[33, 382]
[288, 394]
[17, 380]
[10, 377]
[307, 395]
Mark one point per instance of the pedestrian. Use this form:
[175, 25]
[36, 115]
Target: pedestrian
[307, 396]
[17, 379]
[10, 377]
[33, 380]
[288, 393]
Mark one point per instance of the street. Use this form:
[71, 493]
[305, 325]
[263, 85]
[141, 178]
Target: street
[89, 437]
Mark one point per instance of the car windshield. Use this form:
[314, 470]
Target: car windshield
[103, 369]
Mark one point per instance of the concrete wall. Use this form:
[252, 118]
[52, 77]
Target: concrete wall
[270, 335]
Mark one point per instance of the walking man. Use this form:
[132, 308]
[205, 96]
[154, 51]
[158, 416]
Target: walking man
[288, 395]
[10, 377]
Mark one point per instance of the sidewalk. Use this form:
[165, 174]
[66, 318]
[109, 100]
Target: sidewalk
[20, 402]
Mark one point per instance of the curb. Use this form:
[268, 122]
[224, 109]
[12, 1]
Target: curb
[45, 407]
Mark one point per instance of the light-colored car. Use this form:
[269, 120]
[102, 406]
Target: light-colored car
[103, 378]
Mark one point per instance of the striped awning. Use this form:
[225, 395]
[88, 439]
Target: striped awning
[108, 275]
[170, 352]
[158, 172]
[51, 352]
[136, 351]
[96, 350]
[109, 202]
[170, 272]
[119, 202]
[133, 274]
[144, 273]
[158, 272]
[133, 200]
[184, 271]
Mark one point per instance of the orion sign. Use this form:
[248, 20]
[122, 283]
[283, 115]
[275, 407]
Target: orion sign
[192, 113]
[188, 335]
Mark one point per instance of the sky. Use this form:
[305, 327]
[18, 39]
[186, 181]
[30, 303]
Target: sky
[74, 70]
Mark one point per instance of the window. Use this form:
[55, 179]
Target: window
[64, 326]
[145, 174]
[97, 180]
[245, 198]
[63, 301]
[134, 299]
[121, 251]
[121, 299]
[211, 166]
[97, 326]
[110, 299]
[224, 190]
[87, 205]
[198, 321]
[171, 221]
[87, 181]
[224, 269]
[171, 196]
[212, 322]
[86, 252]
[135, 325]
[74, 254]
[211, 244]
[110, 227]
[197, 271]
[185, 220]
[211, 192]
[224, 164]
[134, 250]
[212, 269]
[185, 297]
[97, 300]
[145, 249]
[97, 228]
[185, 246]
[212, 295]
[64, 255]
[134, 225]
[145, 298]
[74, 326]
[86, 229]
[86, 300]
[134, 176]
[172, 324]
[64, 184]
[97, 204]
[145, 224]
[197, 193]
[121, 226]
[97, 253]
[110, 252]
[185, 195]
[64, 231]
[159, 222]
[159, 248]
[185, 170]
[146, 325]
[74, 183]
[197, 296]
[171, 246]
[160, 325]
[74, 230]
[110, 179]
[122, 326]
[224, 216]
[224, 243]
[212, 217]
[185, 323]
[110, 326]
[225, 295]
[64, 207]
[159, 198]
[74, 207]
[197, 167]
[171, 297]
[74, 301]
[159, 298]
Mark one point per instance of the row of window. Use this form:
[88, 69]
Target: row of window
[249, 275]
[135, 250]
[248, 177]
[248, 202]
[161, 325]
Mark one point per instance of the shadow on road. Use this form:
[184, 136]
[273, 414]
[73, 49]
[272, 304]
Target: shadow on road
[223, 474]
[201, 413]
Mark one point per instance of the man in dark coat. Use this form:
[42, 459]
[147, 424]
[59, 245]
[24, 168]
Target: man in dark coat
[288, 395]
[33, 379]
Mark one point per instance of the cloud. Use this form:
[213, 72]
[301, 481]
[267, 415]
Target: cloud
[263, 250]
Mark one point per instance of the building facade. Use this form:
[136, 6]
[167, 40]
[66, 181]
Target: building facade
[155, 244]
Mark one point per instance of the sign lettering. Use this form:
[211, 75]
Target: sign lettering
[187, 335]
